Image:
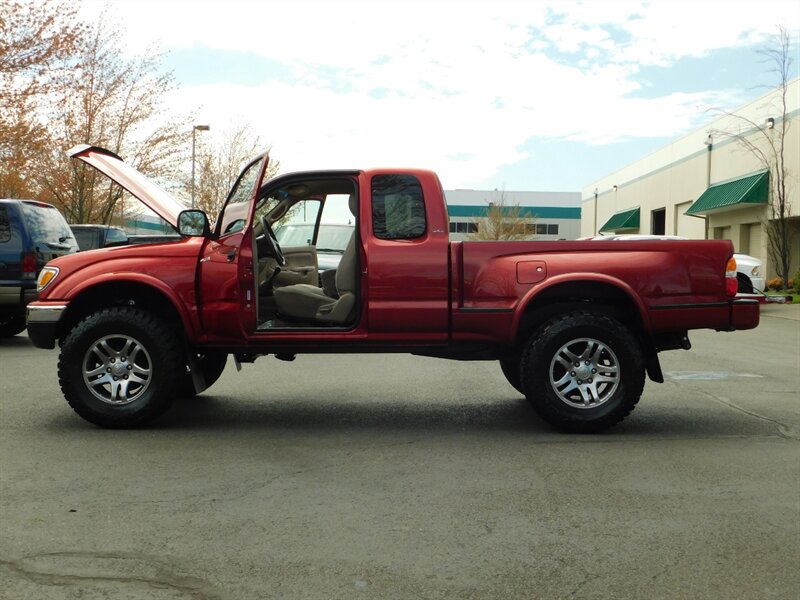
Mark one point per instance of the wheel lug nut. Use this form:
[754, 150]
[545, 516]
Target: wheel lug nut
[571, 373]
[123, 360]
[590, 379]
[108, 370]
[577, 364]
[130, 367]
[594, 370]
[580, 381]
[586, 363]
[127, 377]
[116, 378]
[113, 360]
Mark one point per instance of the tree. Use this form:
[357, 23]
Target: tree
[24, 142]
[502, 221]
[218, 166]
[766, 142]
[37, 42]
[117, 103]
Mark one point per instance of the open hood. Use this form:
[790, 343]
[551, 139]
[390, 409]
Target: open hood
[112, 166]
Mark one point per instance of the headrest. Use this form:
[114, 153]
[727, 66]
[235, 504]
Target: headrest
[352, 203]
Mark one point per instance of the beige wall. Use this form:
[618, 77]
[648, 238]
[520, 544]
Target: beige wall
[676, 175]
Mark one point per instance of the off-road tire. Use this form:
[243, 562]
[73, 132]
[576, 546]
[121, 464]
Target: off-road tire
[212, 363]
[510, 365]
[11, 325]
[158, 342]
[606, 342]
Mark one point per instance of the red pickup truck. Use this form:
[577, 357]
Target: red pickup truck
[575, 326]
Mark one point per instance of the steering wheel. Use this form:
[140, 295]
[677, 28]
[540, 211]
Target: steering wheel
[272, 242]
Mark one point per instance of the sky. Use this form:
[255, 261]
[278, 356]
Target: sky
[539, 96]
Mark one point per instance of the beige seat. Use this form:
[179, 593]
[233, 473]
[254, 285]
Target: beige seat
[309, 302]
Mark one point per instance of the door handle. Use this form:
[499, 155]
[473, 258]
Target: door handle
[231, 255]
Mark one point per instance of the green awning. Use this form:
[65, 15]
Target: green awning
[625, 220]
[739, 193]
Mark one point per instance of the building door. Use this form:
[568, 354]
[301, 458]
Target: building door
[658, 221]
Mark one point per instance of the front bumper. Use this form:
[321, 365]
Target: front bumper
[42, 322]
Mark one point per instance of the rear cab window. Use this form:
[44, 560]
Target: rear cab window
[87, 238]
[398, 207]
[116, 236]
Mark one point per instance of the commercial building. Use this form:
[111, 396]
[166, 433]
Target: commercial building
[709, 184]
[547, 215]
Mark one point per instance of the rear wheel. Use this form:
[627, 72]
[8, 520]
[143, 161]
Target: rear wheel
[118, 367]
[583, 371]
[11, 325]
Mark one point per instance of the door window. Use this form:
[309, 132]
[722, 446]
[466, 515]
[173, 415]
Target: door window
[234, 214]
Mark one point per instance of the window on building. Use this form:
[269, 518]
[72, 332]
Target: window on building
[658, 222]
[463, 227]
[398, 207]
[545, 229]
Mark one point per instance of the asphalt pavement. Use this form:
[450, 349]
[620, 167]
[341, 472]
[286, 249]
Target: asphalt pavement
[392, 476]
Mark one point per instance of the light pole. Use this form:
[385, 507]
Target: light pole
[195, 129]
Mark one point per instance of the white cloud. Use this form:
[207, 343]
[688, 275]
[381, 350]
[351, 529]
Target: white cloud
[463, 85]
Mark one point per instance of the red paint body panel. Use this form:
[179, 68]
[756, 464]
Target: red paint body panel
[169, 268]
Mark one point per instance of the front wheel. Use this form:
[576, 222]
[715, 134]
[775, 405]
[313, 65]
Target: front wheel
[583, 371]
[117, 367]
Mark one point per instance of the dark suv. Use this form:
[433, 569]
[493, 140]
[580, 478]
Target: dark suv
[31, 233]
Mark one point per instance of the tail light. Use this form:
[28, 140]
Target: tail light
[29, 266]
[731, 283]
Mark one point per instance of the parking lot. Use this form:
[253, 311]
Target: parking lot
[392, 476]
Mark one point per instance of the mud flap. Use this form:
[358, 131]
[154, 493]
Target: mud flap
[654, 368]
[198, 379]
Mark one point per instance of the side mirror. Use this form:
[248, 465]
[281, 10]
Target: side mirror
[193, 223]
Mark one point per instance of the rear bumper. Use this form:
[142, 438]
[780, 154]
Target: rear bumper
[42, 322]
[745, 314]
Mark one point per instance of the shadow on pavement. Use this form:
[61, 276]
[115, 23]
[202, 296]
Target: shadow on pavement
[16, 341]
[513, 415]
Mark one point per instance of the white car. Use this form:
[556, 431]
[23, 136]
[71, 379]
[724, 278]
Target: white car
[748, 268]
[749, 273]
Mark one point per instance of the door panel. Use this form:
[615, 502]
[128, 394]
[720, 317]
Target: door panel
[226, 286]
